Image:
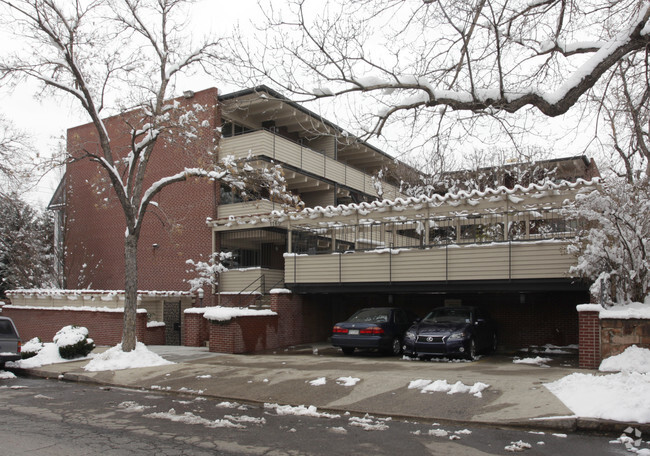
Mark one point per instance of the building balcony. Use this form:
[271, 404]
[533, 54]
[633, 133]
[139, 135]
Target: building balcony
[496, 262]
[267, 144]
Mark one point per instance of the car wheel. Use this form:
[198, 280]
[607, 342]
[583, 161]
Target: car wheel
[396, 347]
[347, 350]
[471, 350]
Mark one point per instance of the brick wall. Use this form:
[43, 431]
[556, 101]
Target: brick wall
[94, 228]
[616, 335]
[105, 328]
[589, 339]
[244, 334]
[154, 336]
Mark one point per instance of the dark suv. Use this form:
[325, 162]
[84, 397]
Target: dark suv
[9, 341]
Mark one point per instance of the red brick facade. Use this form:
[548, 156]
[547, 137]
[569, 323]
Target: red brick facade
[172, 232]
[196, 330]
[105, 328]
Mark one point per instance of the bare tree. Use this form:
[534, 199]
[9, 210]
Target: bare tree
[15, 154]
[122, 57]
[442, 62]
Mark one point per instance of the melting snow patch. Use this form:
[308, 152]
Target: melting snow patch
[245, 419]
[299, 410]
[190, 418]
[517, 446]
[338, 430]
[226, 404]
[429, 386]
[369, 423]
[131, 406]
[318, 382]
[204, 376]
[6, 375]
[537, 361]
[347, 381]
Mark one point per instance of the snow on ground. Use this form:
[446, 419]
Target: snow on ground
[369, 423]
[536, 361]
[116, 359]
[320, 381]
[4, 375]
[299, 410]
[431, 386]
[190, 418]
[49, 354]
[347, 381]
[623, 396]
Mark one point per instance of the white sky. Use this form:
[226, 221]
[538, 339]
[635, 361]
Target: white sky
[47, 120]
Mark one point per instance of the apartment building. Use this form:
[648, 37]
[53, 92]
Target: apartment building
[359, 242]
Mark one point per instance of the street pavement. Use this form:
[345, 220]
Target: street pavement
[516, 396]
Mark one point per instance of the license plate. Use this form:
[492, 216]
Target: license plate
[353, 332]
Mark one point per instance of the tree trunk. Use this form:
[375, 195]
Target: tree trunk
[131, 292]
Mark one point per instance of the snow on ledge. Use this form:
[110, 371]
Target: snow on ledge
[220, 313]
[74, 308]
[280, 291]
[60, 293]
[155, 324]
[623, 312]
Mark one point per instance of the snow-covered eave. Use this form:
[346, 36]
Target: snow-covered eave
[385, 207]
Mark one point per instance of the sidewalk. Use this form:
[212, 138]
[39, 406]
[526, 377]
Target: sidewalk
[515, 397]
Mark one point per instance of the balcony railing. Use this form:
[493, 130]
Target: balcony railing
[266, 143]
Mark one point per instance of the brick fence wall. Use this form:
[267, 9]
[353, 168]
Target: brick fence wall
[244, 334]
[105, 328]
[196, 330]
[616, 335]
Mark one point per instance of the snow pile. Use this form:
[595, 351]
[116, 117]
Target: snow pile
[116, 359]
[219, 313]
[4, 375]
[633, 359]
[430, 386]
[536, 361]
[49, 354]
[33, 345]
[299, 410]
[621, 397]
[624, 396]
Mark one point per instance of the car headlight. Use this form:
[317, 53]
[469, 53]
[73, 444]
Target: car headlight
[410, 335]
[457, 336]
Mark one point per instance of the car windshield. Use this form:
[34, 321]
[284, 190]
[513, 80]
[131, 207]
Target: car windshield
[449, 315]
[370, 316]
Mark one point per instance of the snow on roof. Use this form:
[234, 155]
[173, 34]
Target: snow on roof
[417, 202]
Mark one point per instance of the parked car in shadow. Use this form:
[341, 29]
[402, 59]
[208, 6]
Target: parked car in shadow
[9, 341]
[451, 331]
[380, 328]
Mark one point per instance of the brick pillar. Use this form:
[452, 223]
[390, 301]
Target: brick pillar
[195, 330]
[589, 338]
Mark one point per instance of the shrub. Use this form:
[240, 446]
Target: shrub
[31, 348]
[73, 342]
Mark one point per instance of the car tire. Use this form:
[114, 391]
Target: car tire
[471, 350]
[347, 350]
[395, 347]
